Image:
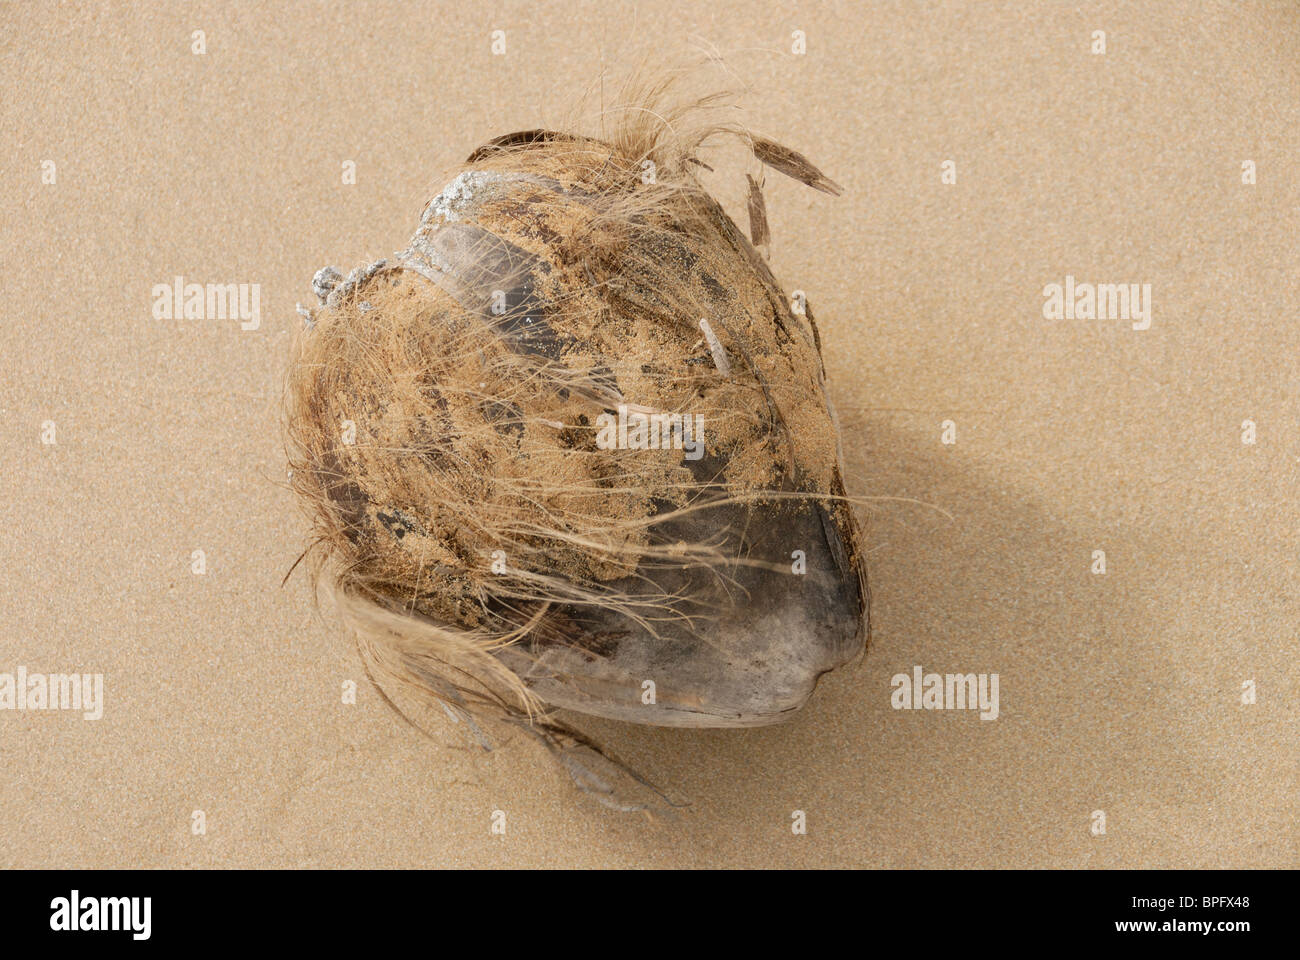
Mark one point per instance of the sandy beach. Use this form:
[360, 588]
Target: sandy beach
[1095, 504]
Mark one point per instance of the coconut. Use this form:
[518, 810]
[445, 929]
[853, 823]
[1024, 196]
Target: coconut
[573, 449]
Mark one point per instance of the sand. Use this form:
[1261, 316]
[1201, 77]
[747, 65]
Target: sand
[1120, 693]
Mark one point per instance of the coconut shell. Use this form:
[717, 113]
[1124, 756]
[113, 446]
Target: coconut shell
[637, 584]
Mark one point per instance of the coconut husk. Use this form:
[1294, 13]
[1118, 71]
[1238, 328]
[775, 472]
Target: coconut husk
[496, 559]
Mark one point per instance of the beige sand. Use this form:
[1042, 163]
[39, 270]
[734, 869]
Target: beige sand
[1119, 692]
